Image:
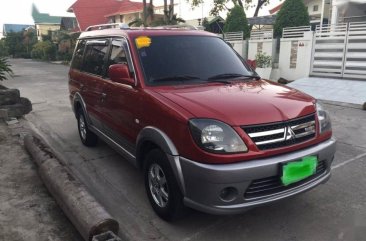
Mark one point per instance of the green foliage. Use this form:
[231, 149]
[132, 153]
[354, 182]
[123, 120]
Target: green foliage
[19, 44]
[4, 51]
[173, 21]
[237, 21]
[263, 60]
[44, 50]
[14, 43]
[292, 14]
[222, 5]
[138, 22]
[5, 69]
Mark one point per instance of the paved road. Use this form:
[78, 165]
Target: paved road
[334, 211]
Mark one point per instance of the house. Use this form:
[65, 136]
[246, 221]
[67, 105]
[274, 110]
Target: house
[348, 11]
[319, 11]
[7, 28]
[333, 11]
[46, 24]
[129, 11]
[94, 12]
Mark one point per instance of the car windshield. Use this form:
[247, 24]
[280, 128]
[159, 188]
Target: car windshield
[170, 60]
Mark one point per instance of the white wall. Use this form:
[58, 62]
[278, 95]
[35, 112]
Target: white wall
[240, 46]
[268, 47]
[304, 54]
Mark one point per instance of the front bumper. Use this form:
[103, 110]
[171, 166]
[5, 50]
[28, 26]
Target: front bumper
[203, 183]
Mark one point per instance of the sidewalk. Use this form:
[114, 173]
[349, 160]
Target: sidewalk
[341, 90]
[27, 211]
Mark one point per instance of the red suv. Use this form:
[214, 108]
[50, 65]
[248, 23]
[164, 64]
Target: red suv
[206, 130]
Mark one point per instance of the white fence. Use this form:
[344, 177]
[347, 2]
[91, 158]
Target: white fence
[355, 57]
[236, 39]
[340, 51]
[261, 42]
[295, 53]
[261, 34]
[295, 32]
[330, 51]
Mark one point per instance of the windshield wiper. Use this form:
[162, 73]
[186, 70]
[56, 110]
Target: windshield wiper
[232, 76]
[176, 78]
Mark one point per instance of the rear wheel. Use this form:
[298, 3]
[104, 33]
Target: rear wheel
[161, 186]
[87, 137]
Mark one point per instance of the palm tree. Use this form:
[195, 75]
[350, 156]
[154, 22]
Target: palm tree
[166, 12]
[144, 12]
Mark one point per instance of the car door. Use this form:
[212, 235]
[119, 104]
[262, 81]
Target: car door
[93, 70]
[121, 105]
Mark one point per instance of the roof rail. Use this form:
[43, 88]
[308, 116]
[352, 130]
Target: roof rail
[108, 25]
[178, 26]
[125, 26]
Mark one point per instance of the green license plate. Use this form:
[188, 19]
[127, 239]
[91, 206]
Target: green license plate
[296, 171]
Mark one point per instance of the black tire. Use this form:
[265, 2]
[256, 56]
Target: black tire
[170, 208]
[87, 137]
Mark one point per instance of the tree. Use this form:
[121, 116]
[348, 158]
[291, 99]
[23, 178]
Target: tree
[44, 50]
[29, 39]
[5, 69]
[237, 21]
[292, 14]
[3, 48]
[14, 43]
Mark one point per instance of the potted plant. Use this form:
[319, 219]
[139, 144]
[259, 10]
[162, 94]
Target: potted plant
[264, 67]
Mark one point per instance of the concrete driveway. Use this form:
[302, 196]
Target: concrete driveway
[334, 211]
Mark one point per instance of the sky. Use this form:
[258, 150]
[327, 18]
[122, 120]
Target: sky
[19, 11]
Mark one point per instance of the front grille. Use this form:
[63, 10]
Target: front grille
[271, 185]
[275, 135]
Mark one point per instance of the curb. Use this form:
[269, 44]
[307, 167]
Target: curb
[87, 215]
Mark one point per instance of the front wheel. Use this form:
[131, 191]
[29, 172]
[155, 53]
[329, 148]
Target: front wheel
[161, 186]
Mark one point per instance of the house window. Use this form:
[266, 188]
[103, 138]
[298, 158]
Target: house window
[315, 8]
[121, 18]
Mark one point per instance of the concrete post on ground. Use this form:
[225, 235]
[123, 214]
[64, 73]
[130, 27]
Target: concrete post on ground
[87, 215]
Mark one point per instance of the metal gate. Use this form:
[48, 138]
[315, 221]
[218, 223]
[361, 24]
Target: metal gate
[340, 51]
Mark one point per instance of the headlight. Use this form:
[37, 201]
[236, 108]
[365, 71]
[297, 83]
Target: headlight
[323, 118]
[215, 136]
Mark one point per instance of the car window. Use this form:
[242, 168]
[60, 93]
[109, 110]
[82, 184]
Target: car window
[94, 59]
[187, 56]
[78, 56]
[118, 53]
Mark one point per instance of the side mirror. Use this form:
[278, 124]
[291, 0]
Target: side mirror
[121, 74]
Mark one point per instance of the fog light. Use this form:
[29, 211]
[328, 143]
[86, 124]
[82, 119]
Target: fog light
[228, 194]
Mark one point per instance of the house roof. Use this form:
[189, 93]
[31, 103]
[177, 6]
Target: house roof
[93, 12]
[127, 6]
[263, 20]
[15, 27]
[275, 9]
[39, 17]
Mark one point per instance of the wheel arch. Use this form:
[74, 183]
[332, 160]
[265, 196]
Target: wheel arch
[78, 102]
[151, 137]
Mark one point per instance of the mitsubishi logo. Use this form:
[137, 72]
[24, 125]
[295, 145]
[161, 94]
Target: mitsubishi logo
[290, 134]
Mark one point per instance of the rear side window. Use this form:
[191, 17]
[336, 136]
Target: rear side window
[78, 56]
[94, 59]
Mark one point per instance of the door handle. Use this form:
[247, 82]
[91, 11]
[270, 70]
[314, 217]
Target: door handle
[104, 95]
[82, 88]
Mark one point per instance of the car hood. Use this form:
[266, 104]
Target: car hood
[242, 103]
